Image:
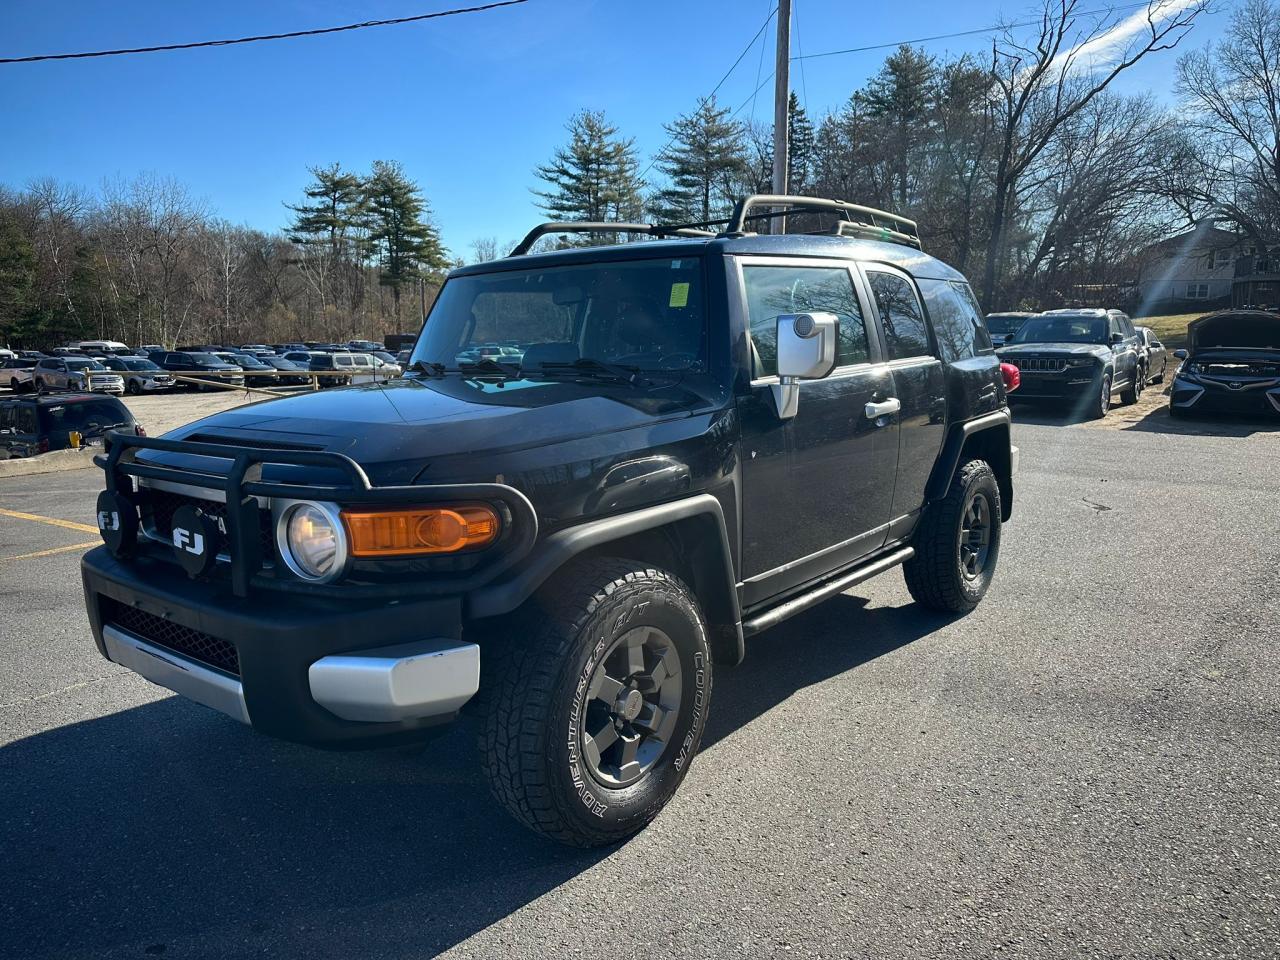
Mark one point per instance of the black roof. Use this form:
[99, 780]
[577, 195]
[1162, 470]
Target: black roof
[906, 258]
[53, 400]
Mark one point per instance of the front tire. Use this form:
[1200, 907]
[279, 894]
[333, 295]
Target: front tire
[958, 543]
[596, 703]
[1102, 399]
[134, 388]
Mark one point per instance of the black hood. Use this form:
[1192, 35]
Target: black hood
[1054, 349]
[1235, 330]
[395, 430]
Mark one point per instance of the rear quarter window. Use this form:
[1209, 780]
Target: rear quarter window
[957, 324]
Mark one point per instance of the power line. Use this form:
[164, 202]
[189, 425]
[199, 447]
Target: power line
[751, 43]
[965, 33]
[270, 36]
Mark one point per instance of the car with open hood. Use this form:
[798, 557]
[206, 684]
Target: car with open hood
[1231, 364]
[1077, 359]
[693, 438]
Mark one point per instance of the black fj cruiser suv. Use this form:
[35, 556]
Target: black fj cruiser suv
[1080, 358]
[699, 436]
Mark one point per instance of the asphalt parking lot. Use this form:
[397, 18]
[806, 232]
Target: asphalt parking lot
[1088, 765]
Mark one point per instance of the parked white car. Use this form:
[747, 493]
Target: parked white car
[140, 374]
[15, 373]
[101, 346]
[75, 373]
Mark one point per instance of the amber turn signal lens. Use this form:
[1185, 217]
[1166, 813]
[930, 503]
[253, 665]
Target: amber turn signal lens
[419, 531]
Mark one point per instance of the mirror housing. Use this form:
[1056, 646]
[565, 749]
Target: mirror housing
[1180, 354]
[1117, 338]
[806, 351]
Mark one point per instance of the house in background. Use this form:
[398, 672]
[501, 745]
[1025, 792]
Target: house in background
[1257, 280]
[1192, 272]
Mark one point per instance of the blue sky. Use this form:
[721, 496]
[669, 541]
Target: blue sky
[467, 104]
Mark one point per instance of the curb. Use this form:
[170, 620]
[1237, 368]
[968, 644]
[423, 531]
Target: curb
[55, 462]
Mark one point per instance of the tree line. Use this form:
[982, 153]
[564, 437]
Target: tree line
[1024, 167]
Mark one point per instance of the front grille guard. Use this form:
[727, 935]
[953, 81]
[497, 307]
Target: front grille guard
[243, 485]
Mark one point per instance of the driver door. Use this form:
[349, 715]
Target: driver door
[817, 489]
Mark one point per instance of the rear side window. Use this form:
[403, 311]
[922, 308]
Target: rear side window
[956, 321]
[900, 313]
[776, 290]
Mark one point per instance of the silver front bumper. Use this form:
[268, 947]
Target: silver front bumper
[195, 682]
[402, 682]
[407, 681]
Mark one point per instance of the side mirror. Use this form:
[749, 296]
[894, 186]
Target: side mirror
[806, 351]
[1180, 354]
[1117, 338]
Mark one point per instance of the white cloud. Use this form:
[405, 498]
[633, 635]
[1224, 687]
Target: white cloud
[1104, 49]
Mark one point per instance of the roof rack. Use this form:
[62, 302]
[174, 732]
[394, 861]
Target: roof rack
[864, 223]
[587, 226]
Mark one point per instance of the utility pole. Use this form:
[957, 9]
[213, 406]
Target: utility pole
[781, 98]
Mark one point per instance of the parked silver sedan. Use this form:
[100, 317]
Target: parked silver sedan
[1155, 357]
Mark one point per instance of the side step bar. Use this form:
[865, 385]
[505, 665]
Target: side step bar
[795, 605]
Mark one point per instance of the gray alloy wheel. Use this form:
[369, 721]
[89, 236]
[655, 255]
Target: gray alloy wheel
[634, 703]
[39, 386]
[975, 535]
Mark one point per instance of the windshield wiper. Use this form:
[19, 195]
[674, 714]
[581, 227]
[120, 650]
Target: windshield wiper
[590, 367]
[95, 431]
[485, 365]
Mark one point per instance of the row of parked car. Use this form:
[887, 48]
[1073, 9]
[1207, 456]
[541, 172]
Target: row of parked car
[1085, 358]
[105, 366]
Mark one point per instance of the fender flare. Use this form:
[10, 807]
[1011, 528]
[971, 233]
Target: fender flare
[708, 554]
[949, 458]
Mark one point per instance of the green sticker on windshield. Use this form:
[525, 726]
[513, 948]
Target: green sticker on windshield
[679, 295]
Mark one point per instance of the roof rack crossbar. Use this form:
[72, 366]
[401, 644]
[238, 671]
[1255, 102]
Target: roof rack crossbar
[589, 226]
[855, 221]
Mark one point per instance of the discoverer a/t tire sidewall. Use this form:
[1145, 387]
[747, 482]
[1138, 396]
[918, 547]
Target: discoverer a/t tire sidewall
[531, 734]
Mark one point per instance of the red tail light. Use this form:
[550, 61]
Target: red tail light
[43, 445]
[1012, 377]
[138, 431]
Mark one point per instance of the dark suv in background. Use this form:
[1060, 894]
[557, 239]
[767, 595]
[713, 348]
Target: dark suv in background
[1078, 359]
[694, 439]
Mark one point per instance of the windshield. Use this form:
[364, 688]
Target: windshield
[139, 365]
[84, 365]
[205, 359]
[87, 417]
[1004, 325]
[1064, 329]
[647, 314]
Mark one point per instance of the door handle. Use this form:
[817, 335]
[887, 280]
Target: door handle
[875, 411]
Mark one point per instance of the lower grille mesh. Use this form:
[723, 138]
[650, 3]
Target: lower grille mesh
[172, 636]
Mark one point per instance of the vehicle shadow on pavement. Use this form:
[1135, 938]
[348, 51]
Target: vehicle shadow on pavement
[1203, 424]
[168, 829]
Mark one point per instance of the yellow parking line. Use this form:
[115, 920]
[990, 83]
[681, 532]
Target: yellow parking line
[52, 551]
[69, 524]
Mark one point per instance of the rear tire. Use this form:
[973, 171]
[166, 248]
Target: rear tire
[594, 705]
[958, 543]
[1163, 369]
[1130, 396]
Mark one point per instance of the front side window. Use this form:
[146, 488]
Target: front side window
[649, 314]
[773, 291]
[900, 314]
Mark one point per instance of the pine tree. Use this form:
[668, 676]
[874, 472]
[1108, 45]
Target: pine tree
[706, 160]
[338, 201]
[801, 147]
[594, 177]
[899, 96]
[405, 241]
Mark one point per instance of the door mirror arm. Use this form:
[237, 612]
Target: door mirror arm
[806, 351]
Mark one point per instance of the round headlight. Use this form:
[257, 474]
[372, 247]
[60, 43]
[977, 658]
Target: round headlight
[312, 541]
